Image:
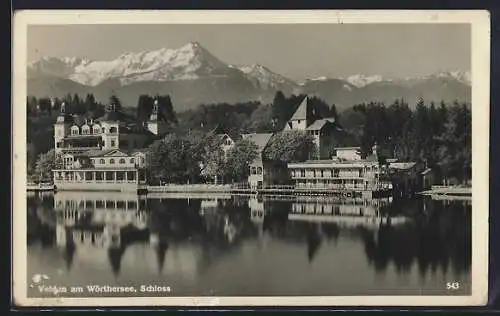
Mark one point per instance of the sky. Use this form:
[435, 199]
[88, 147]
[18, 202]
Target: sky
[296, 51]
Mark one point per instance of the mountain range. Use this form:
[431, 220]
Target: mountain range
[191, 75]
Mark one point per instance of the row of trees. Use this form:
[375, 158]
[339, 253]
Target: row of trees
[438, 136]
[78, 105]
[196, 156]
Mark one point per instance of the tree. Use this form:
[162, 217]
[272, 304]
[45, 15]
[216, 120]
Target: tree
[44, 165]
[165, 109]
[239, 159]
[114, 100]
[288, 146]
[174, 159]
[455, 152]
[213, 159]
[261, 120]
[144, 107]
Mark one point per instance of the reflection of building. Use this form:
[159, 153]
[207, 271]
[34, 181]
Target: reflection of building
[96, 219]
[257, 210]
[102, 153]
[349, 213]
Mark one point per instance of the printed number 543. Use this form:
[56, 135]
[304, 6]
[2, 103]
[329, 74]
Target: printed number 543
[452, 285]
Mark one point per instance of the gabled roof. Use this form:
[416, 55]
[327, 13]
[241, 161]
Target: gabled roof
[318, 125]
[115, 153]
[301, 112]
[260, 139]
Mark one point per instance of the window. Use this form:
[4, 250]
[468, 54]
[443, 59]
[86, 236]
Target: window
[253, 170]
[102, 161]
[97, 130]
[228, 142]
[74, 130]
[259, 170]
[142, 160]
[85, 130]
[58, 145]
[113, 130]
[111, 161]
[122, 161]
[104, 130]
[132, 160]
[302, 173]
[322, 173]
[298, 121]
[113, 143]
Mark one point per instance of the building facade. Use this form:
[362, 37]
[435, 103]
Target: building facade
[103, 153]
[322, 130]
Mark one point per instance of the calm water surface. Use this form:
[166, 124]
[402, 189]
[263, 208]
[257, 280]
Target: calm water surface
[235, 245]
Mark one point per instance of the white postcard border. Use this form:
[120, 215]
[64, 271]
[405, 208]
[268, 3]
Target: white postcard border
[480, 46]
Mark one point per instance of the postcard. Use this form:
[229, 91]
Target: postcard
[250, 158]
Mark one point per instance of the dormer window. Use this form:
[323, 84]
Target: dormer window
[96, 129]
[75, 130]
[85, 130]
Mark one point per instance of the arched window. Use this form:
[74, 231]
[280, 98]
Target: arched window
[111, 161]
[142, 160]
[132, 160]
[122, 161]
[102, 161]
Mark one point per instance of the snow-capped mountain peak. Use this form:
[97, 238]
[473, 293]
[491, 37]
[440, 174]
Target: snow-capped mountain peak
[462, 76]
[264, 77]
[360, 80]
[190, 61]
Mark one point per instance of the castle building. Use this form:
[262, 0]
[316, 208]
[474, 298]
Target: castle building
[103, 153]
[323, 130]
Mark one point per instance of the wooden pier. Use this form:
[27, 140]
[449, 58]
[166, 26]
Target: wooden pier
[40, 187]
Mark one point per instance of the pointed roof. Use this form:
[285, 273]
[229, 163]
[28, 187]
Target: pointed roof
[301, 112]
[260, 139]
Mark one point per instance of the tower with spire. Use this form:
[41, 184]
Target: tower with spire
[156, 124]
[61, 127]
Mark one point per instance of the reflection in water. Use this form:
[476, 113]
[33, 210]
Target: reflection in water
[197, 241]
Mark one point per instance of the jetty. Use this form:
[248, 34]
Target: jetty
[38, 187]
[454, 191]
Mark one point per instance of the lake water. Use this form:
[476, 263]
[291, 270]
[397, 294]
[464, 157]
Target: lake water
[223, 245]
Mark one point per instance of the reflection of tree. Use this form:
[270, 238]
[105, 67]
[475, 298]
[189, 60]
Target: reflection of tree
[115, 255]
[436, 240]
[69, 254]
[313, 241]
